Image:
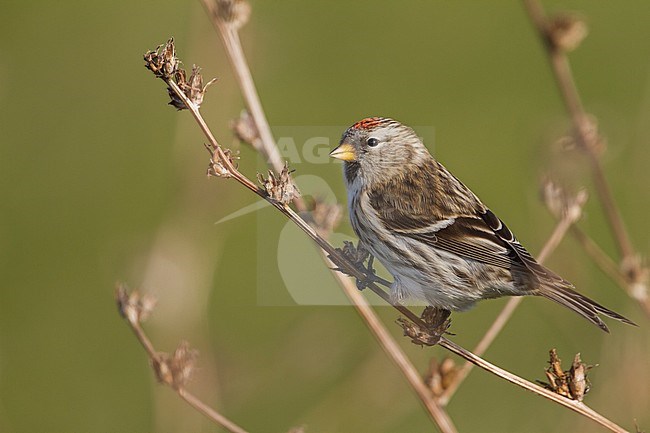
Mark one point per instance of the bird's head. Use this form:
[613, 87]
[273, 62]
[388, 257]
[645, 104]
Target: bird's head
[379, 148]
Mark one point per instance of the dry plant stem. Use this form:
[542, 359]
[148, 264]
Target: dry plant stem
[230, 37]
[395, 352]
[210, 413]
[192, 400]
[607, 265]
[581, 123]
[343, 263]
[497, 326]
[574, 405]
[600, 257]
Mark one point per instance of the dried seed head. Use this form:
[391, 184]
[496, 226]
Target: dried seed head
[417, 334]
[192, 87]
[166, 66]
[163, 61]
[175, 370]
[195, 90]
[578, 383]
[324, 217]
[217, 167]
[572, 383]
[437, 322]
[566, 31]
[595, 142]
[440, 375]
[234, 12]
[585, 136]
[244, 129]
[560, 203]
[174, 99]
[132, 306]
[279, 188]
[637, 273]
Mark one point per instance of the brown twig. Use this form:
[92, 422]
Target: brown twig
[227, 25]
[170, 370]
[507, 311]
[590, 142]
[574, 405]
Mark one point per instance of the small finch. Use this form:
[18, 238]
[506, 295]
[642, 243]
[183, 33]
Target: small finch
[440, 243]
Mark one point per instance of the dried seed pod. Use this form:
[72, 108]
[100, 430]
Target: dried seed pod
[279, 188]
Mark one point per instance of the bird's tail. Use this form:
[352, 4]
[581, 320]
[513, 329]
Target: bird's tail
[587, 308]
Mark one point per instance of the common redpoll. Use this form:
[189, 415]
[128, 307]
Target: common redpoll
[440, 243]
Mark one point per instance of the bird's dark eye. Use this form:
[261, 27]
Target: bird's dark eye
[372, 142]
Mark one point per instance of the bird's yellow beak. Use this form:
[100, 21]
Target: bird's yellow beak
[344, 152]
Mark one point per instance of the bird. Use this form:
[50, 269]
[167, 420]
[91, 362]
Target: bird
[436, 238]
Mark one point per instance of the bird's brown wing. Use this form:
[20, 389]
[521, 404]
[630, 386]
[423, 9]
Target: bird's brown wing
[425, 208]
[431, 205]
[469, 237]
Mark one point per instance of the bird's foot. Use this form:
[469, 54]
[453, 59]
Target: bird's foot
[369, 272]
[358, 256]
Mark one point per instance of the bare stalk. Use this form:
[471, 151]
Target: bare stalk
[344, 264]
[583, 126]
[505, 314]
[170, 370]
[209, 412]
[229, 34]
[588, 139]
[574, 405]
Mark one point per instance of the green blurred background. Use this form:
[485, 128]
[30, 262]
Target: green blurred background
[100, 182]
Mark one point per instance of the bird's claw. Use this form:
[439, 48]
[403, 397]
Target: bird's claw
[369, 272]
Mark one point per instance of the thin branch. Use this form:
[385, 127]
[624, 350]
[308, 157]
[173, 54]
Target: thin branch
[209, 412]
[600, 257]
[170, 370]
[587, 138]
[229, 33]
[574, 405]
[506, 313]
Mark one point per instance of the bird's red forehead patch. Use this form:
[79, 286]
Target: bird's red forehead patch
[368, 123]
